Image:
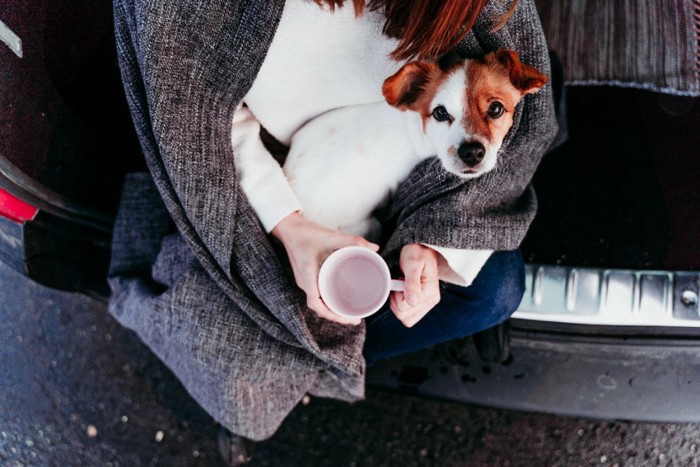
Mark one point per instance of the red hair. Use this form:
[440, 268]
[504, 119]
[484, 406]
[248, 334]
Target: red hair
[425, 29]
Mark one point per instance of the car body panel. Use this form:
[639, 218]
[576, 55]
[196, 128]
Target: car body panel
[656, 380]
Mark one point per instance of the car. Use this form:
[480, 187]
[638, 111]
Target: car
[609, 325]
[66, 141]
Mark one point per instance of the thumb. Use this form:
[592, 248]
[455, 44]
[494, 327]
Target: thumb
[360, 241]
[372, 246]
[412, 286]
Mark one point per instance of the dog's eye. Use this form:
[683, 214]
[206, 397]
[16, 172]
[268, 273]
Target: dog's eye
[496, 110]
[441, 114]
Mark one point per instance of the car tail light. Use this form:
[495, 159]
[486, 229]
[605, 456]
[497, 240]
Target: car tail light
[15, 209]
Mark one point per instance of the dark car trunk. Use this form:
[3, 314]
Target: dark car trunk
[622, 191]
[65, 129]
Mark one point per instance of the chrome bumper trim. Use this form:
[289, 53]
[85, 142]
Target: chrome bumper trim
[614, 297]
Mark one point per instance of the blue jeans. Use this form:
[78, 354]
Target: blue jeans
[493, 296]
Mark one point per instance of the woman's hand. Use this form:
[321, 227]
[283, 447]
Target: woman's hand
[422, 289]
[307, 245]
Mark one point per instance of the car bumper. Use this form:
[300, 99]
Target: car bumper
[610, 378]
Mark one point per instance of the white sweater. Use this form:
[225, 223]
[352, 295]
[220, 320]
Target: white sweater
[318, 61]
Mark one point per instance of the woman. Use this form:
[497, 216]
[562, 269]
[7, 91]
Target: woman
[308, 71]
[213, 298]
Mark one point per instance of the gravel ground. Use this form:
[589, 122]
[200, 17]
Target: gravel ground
[77, 389]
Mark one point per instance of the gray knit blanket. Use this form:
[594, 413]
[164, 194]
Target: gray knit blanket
[193, 272]
[645, 44]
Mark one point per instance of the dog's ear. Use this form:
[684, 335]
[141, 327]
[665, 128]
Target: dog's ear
[525, 78]
[402, 89]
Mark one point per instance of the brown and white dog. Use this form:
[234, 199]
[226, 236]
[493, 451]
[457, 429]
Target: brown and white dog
[346, 162]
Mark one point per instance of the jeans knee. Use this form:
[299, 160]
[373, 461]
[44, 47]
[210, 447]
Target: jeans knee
[497, 290]
[508, 295]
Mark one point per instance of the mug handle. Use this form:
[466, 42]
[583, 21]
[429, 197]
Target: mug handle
[397, 285]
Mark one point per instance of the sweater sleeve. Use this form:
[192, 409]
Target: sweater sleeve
[459, 267]
[261, 177]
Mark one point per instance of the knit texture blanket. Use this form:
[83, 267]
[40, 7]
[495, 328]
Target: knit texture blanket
[646, 44]
[194, 274]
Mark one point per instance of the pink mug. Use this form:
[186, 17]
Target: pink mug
[354, 282]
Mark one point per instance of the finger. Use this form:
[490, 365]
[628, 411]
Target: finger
[412, 268]
[372, 246]
[412, 320]
[409, 315]
[402, 310]
[412, 317]
[363, 242]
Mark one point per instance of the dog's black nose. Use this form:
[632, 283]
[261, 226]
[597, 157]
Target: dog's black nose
[471, 153]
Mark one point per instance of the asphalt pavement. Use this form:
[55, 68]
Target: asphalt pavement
[78, 389]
